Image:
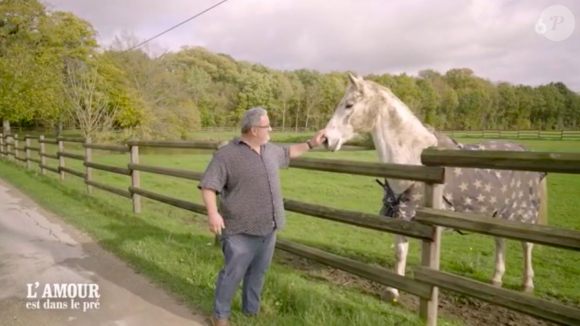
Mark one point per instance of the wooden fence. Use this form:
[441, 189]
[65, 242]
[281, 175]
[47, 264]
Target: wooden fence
[517, 134]
[427, 278]
[489, 133]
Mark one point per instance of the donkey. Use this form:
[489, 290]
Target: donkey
[400, 137]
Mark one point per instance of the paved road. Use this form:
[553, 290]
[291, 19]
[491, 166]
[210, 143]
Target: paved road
[37, 247]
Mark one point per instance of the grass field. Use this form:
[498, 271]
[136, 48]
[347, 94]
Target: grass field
[174, 248]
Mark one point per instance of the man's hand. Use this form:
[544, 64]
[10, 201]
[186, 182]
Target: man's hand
[215, 222]
[299, 149]
[317, 139]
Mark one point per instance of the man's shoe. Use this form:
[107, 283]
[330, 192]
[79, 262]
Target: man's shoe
[219, 322]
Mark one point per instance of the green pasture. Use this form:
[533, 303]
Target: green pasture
[174, 248]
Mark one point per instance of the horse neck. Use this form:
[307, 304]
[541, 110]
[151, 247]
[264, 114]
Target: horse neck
[400, 138]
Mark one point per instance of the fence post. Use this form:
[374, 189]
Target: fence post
[9, 144]
[16, 151]
[26, 147]
[430, 253]
[60, 159]
[88, 159]
[2, 149]
[41, 153]
[135, 179]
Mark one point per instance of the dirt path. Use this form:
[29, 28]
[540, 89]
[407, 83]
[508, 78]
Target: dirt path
[471, 312]
[38, 247]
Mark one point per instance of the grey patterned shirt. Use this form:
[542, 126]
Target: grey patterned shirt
[248, 184]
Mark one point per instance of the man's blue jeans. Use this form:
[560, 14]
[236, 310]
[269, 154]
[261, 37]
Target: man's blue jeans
[246, 257]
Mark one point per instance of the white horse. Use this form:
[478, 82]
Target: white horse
[400, 137]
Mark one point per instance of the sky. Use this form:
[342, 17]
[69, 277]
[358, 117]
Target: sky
[497, 39]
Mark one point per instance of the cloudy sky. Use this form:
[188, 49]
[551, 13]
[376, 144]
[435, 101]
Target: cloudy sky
[495, 38]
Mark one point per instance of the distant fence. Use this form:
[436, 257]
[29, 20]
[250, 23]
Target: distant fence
[497, 134]
[517, 134]
[427, 278]
[237, 129]
[489, 133]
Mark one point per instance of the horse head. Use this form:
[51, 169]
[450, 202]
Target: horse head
[355, 113]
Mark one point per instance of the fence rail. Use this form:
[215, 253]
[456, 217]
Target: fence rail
[561, 134]
[487, 133]
[516, 134]
[427, 228]
[504, 160]
[540, 234]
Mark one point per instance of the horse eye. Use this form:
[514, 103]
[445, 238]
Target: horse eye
[349, 105]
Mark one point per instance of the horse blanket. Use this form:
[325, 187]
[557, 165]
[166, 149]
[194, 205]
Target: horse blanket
[509, 195]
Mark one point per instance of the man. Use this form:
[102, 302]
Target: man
[245, 173]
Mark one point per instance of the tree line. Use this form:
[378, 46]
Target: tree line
[53, 72]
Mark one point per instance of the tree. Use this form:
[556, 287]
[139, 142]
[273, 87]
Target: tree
[156, 93]
[90, 101]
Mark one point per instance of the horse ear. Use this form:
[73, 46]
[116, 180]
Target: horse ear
[355, 81]
[352, 79]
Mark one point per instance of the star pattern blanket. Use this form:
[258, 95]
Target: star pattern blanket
[510, 195]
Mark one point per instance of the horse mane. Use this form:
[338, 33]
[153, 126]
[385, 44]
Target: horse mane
[443, 141]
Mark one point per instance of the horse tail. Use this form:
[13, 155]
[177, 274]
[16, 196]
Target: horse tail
[543, 212]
